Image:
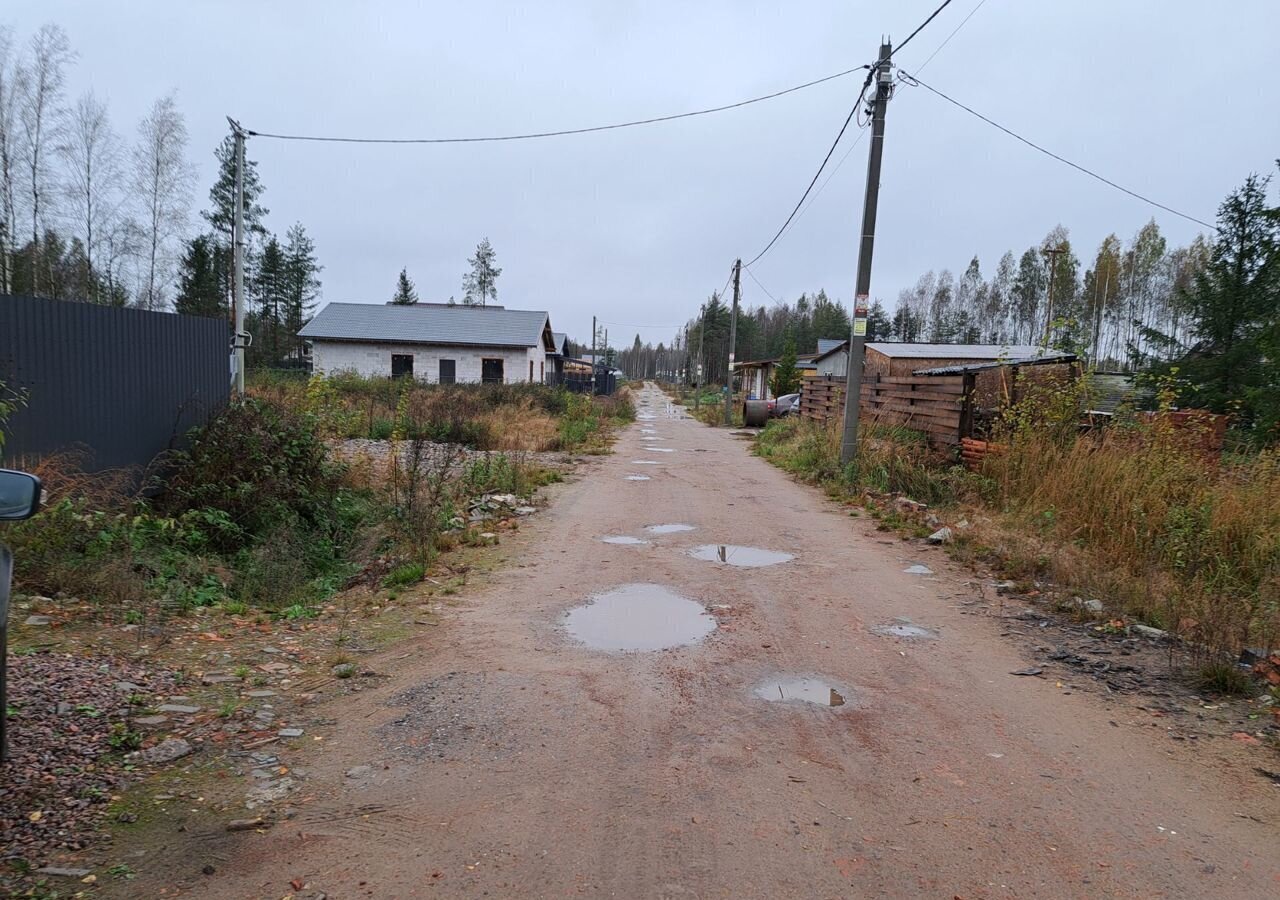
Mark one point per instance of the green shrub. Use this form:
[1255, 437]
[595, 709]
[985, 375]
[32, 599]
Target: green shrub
[407, 574]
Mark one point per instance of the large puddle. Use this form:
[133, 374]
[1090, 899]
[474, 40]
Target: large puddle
[623, 539]
[733, 555]
[639, 617]
[669, 528]
[785, 688]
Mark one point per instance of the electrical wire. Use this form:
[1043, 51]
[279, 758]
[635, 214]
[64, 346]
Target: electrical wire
[913, 81]
[920, 28]
[964, 22]
[762, 287]
[548, 134]
[826, 159]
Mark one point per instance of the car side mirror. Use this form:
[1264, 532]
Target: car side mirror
[19, 495]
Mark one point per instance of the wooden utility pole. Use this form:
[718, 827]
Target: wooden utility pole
[239, 338]
[593, 356]
[1053, 271]
[697, 371]
[882, 83]
[733, 339]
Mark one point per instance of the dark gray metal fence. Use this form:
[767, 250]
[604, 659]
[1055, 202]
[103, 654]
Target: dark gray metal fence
[121, 384]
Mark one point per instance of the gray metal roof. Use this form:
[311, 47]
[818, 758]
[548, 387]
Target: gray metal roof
[826, 345]
[428, 324]
[963, 368]
[959, 351]
[559, 338]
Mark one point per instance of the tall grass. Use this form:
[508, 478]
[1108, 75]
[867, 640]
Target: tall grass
[1162, 532]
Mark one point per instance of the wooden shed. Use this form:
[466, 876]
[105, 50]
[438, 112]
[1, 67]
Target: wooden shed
[894, 359]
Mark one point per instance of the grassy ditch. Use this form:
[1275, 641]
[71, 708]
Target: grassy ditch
[1131, 516]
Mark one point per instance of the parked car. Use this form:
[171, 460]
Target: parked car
[786, 405]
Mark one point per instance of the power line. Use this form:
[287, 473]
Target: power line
[814, 180]
[826, 159]
[913, 80]
[963, 22]
[762, 287]
[920, 28]
[547, 134]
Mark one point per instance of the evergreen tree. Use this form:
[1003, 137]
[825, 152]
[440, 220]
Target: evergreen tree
[480, 285]
[1233, 308]
[200, 279]
[406, 294]
[222, 196]
[301, 284]
[269, 289]
[786, 378]
[879, 326]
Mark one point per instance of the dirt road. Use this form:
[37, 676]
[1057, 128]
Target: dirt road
[513, 760]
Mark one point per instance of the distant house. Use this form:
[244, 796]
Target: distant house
[432, 342]
[556, 358]
[756, 376]
[889, 358]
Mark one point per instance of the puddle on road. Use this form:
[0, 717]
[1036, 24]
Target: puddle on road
[645, 462]
[785, 688]
[658, 450]
[669, 528]
[637, 478]
[748, 557]
[639, 617]
[623, 539]
[918, 569]
[905, 628]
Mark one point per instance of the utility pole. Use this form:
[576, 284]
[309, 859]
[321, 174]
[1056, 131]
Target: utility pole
[593, 356]
[1053, 271]
[882, 82]
[697, 371]
[239, 337]
[733, 340]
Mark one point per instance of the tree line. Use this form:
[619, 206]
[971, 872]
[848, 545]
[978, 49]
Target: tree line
[89, 215]
[1205, 316]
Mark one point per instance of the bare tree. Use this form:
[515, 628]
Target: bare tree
[40, 82]
[8, 157]
[91, 151]
[162, 180]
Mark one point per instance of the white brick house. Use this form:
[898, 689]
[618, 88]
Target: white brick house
[432, 342]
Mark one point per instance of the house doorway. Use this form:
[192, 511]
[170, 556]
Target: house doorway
[401, 365]
[491, 371]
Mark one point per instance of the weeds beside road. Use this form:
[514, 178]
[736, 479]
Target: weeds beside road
[1130, 518]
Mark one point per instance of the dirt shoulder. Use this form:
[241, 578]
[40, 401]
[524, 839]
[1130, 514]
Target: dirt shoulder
[494, 753]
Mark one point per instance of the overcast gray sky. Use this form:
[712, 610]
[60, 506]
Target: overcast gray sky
[1174, 98]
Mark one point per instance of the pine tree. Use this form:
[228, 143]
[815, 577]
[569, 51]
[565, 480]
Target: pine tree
[786, 378]
[480, 285]
[200, 281]
[222, 196]
[269, 288]
[406, 294]
[301, 284]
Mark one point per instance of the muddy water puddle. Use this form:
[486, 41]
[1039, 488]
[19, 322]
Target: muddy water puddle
[807, 689]
[639, 617]
[905, 628]
[734, 555]
[669, 528]
[623, 539]
[637, 478]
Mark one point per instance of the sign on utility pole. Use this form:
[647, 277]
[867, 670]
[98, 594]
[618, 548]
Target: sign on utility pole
[239, 338]
[733, 340]
[882, 82]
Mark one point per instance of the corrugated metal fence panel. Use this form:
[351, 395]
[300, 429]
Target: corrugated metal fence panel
[121, 384]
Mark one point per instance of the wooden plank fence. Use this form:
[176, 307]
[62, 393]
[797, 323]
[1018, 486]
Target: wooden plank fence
[935, 406]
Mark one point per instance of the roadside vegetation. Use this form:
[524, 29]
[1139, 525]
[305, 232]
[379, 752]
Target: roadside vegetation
[261, 512]
[1135, 516]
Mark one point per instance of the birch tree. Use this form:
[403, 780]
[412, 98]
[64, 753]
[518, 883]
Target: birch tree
[8, 157]
[91, 154]
[40, 118]
[162, 180]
